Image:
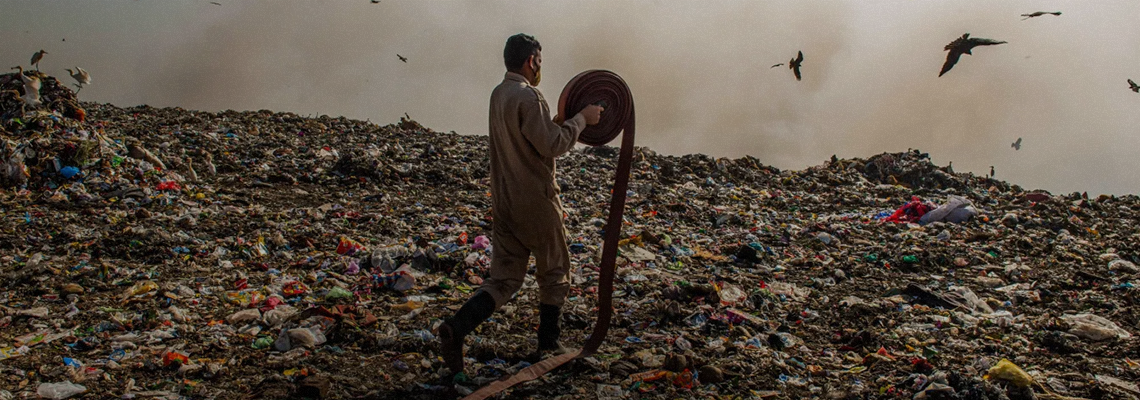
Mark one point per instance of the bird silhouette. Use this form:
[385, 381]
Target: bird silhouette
[963, 45]
[776, 65]
[215, 3]
[375, 1]
[37, 57]
[991, 171]
[794, 64]
[1038, 14]
[402, 58]
[1132, 85]
[1016, 145]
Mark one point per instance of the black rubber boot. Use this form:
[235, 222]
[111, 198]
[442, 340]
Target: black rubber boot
[454, 329]
[550, 329]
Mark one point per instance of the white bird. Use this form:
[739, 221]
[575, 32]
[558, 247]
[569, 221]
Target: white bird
[29, 81]
[28, 99]
[213, 170]
[190, 169]
[32, 84]
[80, 75]
[1016, 145]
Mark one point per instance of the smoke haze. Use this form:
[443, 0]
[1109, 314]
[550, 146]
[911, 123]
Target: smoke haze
[699, 71]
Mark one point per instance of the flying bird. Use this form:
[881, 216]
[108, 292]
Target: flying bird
[402, 58]
[1038, 14]
[37, 57]
[375, 1]
[777, 65]
[1132, 85]
[1016, 145]
[794, 64]
[963, 45]
[215, 3]
[80, 75]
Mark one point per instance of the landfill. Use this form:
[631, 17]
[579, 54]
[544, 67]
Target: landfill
[169, 253]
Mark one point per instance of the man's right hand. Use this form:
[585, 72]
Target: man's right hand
[592, 113]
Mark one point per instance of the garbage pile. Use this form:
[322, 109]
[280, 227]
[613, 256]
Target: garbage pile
[169, 253]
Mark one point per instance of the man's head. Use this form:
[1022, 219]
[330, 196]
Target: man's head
[523, 55]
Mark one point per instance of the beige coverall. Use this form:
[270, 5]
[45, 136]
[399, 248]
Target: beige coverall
[524, 195]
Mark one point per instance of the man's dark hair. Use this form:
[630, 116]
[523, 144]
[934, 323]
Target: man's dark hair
[519, 48]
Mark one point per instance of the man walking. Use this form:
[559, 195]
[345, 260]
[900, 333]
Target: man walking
[525, 207]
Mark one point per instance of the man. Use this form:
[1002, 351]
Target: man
[525, 206]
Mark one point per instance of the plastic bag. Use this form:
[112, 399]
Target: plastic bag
[956, 210]
[59, 390]
[1008, 371]
[1095, 327]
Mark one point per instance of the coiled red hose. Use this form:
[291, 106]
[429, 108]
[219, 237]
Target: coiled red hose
[607, 89]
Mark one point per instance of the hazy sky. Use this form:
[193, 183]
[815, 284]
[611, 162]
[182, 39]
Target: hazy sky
[699, 71]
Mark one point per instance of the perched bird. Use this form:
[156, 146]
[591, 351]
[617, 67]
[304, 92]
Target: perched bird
[30, 82]
[209, 162]
[190, 172]
[963, 45]
[1132, 85]
[80, 76]
[1038, 14]
[37, 57]
[991, 171]
[777, 65]
[1016, 145]
[29, 98]
[31, 88]
[137, 151]
[402, 58]
[794, 64]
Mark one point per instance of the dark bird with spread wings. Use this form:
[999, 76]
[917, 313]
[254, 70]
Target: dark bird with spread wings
[1132, 85]
[1016, 145]
[402, 58]
[794, 64]
[963, 45]
[1038, 14]
[776, 65]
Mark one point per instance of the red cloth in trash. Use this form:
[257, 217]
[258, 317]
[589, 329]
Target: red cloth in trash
[910, 212]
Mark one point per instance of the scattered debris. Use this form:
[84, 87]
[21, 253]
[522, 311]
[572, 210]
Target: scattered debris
[313, 257]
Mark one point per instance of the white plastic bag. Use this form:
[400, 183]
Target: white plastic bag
[59, 390]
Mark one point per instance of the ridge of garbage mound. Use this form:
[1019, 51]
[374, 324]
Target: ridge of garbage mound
[230, 254]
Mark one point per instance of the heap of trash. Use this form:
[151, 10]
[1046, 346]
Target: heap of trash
[169, 253]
